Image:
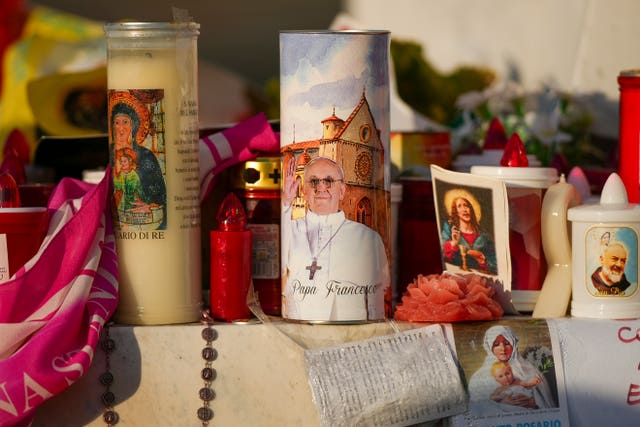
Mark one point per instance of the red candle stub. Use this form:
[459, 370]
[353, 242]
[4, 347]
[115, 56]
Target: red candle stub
[17, 142]
[231, 215]
[514, 153]
[9, 195]
[13, 165]
[230, 262]
[496, 137]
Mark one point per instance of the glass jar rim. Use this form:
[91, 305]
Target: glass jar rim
[149, 29]
[337, 32]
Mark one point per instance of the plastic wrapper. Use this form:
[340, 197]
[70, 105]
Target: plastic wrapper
[392, 380]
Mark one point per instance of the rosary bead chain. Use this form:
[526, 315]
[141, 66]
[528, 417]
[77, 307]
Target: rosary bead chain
[108, 398]
[208, 374]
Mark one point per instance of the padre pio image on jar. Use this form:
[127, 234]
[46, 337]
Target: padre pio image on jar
[611, 261]
[335, 159]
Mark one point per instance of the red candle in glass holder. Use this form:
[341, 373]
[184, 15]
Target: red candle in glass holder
[257, 184]
[230, 262]
[526, 187]
[629, 145]
[21, 229]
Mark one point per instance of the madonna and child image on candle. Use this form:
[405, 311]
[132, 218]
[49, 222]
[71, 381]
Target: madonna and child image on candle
[335, 157]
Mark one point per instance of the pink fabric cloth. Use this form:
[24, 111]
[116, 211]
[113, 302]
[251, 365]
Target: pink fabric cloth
[52, 311]
[239, 143]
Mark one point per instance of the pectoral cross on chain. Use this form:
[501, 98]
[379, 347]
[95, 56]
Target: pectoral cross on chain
[313, 268]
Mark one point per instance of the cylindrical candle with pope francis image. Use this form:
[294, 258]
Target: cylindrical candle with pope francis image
[335, 155]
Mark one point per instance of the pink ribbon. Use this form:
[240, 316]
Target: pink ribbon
[239, 143]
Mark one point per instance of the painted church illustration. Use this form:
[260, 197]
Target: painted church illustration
[355, 144]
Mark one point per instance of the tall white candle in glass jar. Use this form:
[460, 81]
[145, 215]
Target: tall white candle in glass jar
[153, 147]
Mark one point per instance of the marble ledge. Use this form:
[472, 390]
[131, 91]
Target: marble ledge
[261, 377]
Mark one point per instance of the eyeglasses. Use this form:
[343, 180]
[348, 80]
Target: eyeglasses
[327, 182]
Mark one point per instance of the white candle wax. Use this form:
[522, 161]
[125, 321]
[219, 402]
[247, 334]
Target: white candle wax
[159, 264]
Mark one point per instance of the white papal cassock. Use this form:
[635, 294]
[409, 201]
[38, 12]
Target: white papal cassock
[353, 272]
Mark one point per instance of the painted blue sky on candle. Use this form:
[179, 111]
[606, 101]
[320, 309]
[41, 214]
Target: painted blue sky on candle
[323, 71]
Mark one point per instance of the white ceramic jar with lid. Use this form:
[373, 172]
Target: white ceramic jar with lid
[605, 255]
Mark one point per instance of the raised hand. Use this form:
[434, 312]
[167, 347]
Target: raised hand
[290, 186]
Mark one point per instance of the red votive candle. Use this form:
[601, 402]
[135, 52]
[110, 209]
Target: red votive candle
[257, 184]
[230, 262]
[629, 151]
